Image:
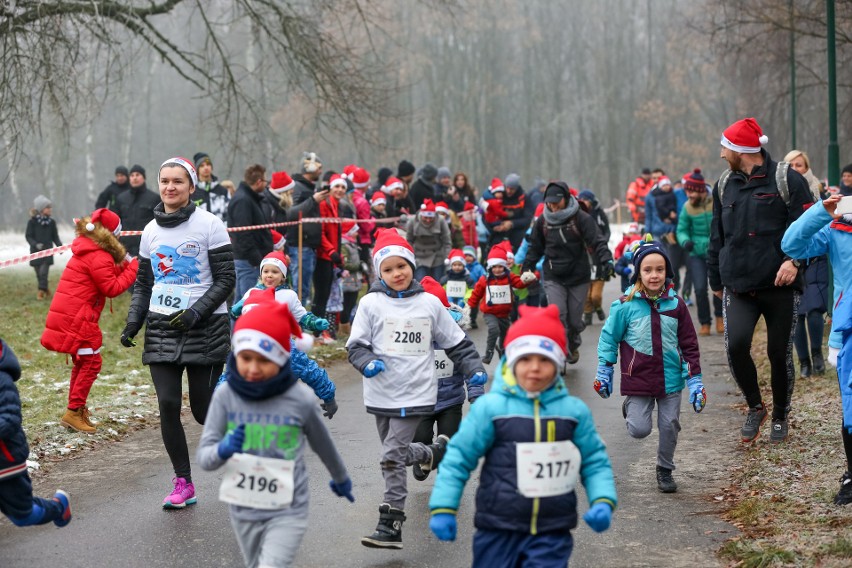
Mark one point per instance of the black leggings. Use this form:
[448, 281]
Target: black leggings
[847, 446]
[349, 301]
[323, 276]
[168, 379]
[448, 421]
[778, 306]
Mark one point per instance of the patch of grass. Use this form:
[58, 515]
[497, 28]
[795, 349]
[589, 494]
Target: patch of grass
[754, 555]
[840, 548]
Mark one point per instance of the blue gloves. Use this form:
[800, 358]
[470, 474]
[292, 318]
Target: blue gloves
[373, 368]
[233, 442]
[321, 324]
[343, 489]
[697, 394]
[598, 517]
[443, 526]
[603, 380]
[478, 379]
[330, 408]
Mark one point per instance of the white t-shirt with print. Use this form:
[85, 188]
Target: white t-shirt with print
[179, 254]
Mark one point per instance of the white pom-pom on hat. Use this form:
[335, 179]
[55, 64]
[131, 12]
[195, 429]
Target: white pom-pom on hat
[764, 139]
[304, 343]
[90, 226]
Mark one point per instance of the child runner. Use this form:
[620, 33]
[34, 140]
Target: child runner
[528, 423]
[476, 272]
[650, 325]
[256, 427]
[457, 282]
[42, 234]
[16, 489]
[391, 344]
[99, 269]
[451, 385]
[493, 294]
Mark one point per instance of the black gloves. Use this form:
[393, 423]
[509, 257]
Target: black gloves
[330, 407]
[185, 319]
[335, 259]
[688, 246]
[609, 271]
[130, 331]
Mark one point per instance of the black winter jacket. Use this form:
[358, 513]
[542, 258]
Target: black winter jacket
[311, 232]
[135, 207]
[519, 211]
[565, 246]
[245, 210]
[108, 196]
[13, 442]
[745, 235]
[272, 210]
[209, 341]
[420, 191]
[41, 237]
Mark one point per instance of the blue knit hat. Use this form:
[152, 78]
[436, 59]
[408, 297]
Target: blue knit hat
[645, 247]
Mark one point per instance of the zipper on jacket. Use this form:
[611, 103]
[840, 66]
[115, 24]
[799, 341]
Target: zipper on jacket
[535, 505]
[630, 366]
[5, 451]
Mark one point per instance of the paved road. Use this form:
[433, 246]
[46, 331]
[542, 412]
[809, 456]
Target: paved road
[116, 491]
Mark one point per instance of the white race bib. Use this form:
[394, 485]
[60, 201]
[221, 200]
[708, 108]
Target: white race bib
[456, 288]
[547, 469]
[499, 294]
[257, 482]
[409, 337]
[169, 298]
[443, 365]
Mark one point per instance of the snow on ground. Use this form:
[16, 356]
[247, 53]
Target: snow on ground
[13, 245]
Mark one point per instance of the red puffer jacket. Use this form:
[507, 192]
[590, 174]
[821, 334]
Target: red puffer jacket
[96, 271]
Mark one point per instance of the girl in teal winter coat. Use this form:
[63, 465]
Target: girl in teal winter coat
[651, 328]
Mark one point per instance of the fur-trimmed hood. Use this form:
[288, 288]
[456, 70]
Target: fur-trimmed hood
[101, 237]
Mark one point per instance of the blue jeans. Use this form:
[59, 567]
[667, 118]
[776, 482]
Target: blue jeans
[436, 272]
[309, 263]
[247, 276]
[697, 267]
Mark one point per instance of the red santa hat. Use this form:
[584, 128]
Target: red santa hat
[539, 209]
[456, 255]
[496, 186]
[663, 181]
[349, 170]
[442, 207]
[185, 164]
[378, 199]
[266, 330]
[276, 259]
[497, 257]
[108, 219]
[432, 286]
[257, 296]
[468, 206]
[281, 182]
[507, 246]
[427, 208]
[337, 179]
[633, 228]
[538, 331]
[390, 243]
[392, 184]
[278, 240]
[360, 178]
[744, 136]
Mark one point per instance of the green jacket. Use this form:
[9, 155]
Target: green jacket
[694, 225]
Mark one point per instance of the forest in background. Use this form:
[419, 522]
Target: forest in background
[588, 92]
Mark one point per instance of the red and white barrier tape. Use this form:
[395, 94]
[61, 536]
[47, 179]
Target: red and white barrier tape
[63, 248]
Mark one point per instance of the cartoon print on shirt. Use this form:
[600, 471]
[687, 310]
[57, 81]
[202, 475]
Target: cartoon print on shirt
[177, 265]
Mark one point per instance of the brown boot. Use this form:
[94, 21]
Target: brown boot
[41, 295]
[705, 329]
[87, 417]
[720, 326]
[344, 329]
[74, 419]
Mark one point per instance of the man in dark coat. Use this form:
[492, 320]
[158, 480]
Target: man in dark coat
[135, 208]
[117, 186]
[423, 188]
[245, 210]
[303, 193]
[519, 212]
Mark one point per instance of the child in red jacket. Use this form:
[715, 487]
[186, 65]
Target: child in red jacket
[493, 294]
[100, 268]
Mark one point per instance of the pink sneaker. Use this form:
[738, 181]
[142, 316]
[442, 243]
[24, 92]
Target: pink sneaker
[183, 495]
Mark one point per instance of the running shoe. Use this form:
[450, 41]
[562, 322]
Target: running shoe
[182, 495]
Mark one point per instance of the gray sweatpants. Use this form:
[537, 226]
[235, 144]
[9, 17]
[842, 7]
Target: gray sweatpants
[269, 543]
[398, 451]
[668, 422]
[570, 300]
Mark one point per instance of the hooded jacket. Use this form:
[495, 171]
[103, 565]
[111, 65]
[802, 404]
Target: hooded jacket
[135, 207]
[14, 449]
[431, 243]
[494, 426]
[97, 271]
[245, 210]
[656, 341]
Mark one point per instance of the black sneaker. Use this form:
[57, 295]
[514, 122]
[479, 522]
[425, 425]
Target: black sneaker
[819, 363]
[844, 496]
[587, 318]
[474, 325]
[439, 448]
[573, 356]
[805, 369]
[487, 357]
[665, 481]
[388, 532]
[779, 431]
[419, 473]
[601, 314]
[755, 419]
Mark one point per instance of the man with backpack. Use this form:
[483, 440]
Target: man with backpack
[754, 202]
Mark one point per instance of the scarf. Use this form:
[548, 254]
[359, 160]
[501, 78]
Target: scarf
[262, 389]
[43, 219]
[175, 218]
[561, 216]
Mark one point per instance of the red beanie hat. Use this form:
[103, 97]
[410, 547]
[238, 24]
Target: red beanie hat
[266, 329]
[427, 209]
[496, 186]
[456, 255]
[108, 219]
[497, 257]
[360, 178]
[537, 331]
[281, 182]
[278, 240]
[277, 259]
[390, 243]
[744, 136]
[694, 181]
[431, 286]
[378, 199]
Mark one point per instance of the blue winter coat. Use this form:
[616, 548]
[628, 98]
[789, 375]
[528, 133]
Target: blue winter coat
[815, 233]
[451, 392]
[476, 270]
[13, 442]
[494, 426]
[653, 223]
[842, 321]
[656, 341]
